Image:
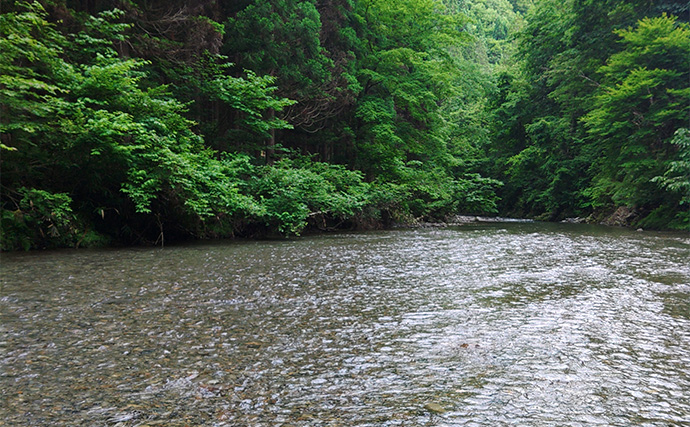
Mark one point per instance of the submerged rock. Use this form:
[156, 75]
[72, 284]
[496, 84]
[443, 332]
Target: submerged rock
[434, 408]
[575, 220]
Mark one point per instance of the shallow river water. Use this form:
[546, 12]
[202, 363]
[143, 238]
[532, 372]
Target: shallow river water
[494, 324]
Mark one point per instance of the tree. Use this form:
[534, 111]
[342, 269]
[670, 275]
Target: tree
[132, 125]
[644, 100]
[676, 179]
[65, 120]
[405, 73]
[282, 39]
[556, 110]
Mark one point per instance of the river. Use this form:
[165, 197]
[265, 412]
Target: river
[478, 325]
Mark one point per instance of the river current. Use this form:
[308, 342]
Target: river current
[478, 325]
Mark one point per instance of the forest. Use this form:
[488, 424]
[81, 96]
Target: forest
[151, 121]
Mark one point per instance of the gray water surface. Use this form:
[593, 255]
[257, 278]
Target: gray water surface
[499, 324]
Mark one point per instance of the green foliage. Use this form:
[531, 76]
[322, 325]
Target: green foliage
[645, 99]
[292, 192]
[68, 120]
[676, 179]
[116, 127]
[493, 23]
[407, 75]
[677, 176]
[252, 98]
[29, 66]
[40, 219]
[431, 194]
[585, 119]
[262, 117]
[279, 37]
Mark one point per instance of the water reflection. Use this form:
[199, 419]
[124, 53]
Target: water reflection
[527, 324]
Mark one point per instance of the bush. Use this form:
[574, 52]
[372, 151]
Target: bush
[291, 191]
[40, 220]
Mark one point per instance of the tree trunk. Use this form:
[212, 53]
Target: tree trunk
[271, 141]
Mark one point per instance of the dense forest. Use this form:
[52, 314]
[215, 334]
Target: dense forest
[146, 121]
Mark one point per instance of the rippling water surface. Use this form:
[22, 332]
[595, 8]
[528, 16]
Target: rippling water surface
[499, 324]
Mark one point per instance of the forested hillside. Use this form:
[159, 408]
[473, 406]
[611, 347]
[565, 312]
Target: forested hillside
[138, 122]
[592, 119]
